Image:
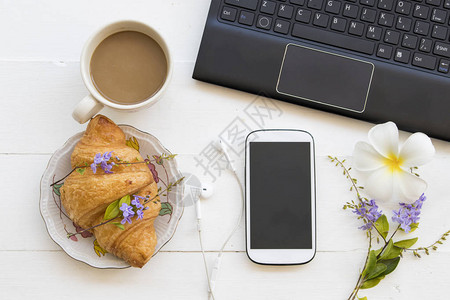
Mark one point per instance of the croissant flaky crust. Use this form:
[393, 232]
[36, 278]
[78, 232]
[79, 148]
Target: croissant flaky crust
[86, 196]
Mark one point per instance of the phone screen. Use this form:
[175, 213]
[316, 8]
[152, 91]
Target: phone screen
[280, 195]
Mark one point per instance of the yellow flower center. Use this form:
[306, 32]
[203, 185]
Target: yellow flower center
[393, 162]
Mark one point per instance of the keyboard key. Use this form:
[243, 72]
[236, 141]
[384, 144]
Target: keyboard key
[447, 4]
[367, 2]
[443, 66]
[285, 11]
[368, 15]
[329, 38]
[403, 24]
[338, 24]
[402, 55]
[298, 2]
[384, 51]
[386, 19]
[442, 49]
[356, 28]
[350, 10]
[409, 41]
[421, 11]
[421, 28]
[268, 7]
[316, 4]
[303, 15]
[439, 32]
[392, 37]
[281, 26]
[438, 16]
[374, 33]
[424, 61]
[333, 6]
[249, 4]
[425, 45]
[320, 20]
[264, 22]
[433, 2]
[403, 7]
[246, 18]
[228, 13]
[385, 4]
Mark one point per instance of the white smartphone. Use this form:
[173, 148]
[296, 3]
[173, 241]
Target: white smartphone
[280, 197]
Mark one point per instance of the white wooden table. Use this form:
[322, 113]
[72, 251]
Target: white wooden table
[40, 84]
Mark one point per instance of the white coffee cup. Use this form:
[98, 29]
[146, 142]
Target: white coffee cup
[94, 102]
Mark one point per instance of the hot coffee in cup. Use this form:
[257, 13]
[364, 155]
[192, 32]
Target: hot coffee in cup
[125, 65]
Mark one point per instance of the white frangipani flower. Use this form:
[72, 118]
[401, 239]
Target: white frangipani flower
[388, 165]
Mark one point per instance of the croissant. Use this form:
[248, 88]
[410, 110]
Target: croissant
[86, 196]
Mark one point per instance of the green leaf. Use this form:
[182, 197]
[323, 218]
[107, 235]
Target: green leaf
[377, 252]
[371, 262]
[414, 226]
[56, 188]
[371, 283]
[112, 210]
[387, 249]
[118, 224]
[382, 225]
[406, 243]
[391, 251]
[166, 209]
[377, 271]
[81, 170]
[125, 199]
[391, 264]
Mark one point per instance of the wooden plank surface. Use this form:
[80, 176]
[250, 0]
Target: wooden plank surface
[40, 83]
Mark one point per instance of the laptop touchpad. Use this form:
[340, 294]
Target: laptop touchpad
[325, 78]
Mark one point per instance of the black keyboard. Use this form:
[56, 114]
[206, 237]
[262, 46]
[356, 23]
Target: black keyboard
[413, 33]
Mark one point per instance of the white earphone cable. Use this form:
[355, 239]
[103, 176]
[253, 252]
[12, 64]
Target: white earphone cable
[215, 270]
[204, 256]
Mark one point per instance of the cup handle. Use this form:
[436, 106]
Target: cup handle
[86, 109]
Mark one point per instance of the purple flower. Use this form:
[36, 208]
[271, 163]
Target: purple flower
[368, 211]
[136, 201]
[127, 213]
[98, 158]
[102, 160]
[140, 214]
[409, 213]
[107, 155]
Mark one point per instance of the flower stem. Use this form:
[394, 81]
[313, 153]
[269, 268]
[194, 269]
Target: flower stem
[432, 246]
[385, 245]
[353, 181]
[90, 228]
[360, 278]
[82, 167]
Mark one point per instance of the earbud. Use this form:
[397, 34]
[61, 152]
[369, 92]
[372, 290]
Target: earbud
[207, 190]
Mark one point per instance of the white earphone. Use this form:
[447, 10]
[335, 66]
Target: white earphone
[206, 191]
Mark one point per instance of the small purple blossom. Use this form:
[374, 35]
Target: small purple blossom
[136, 201]
[98, 158]
[368, 211]
[140, 214]
[102, 160]
[409, 213]
[127, 213]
